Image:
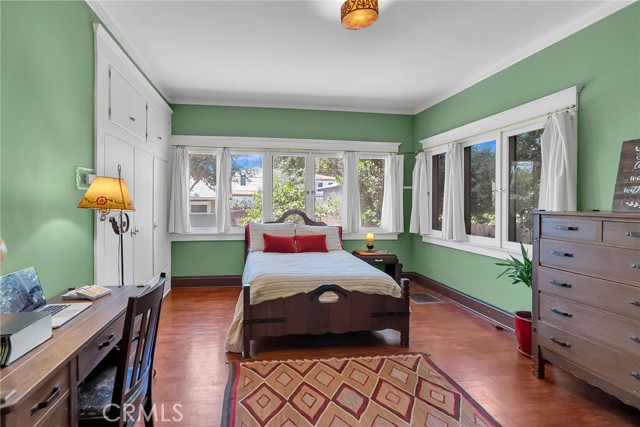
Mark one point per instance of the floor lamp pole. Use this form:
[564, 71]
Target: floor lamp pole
[120, 226]
[121, 251]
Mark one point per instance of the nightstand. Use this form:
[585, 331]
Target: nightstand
[390, 261]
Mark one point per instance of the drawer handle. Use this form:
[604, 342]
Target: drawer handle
[634, 339]
[566, 228]
[107, 342]
[632, 233]
[378, 260]
[160, 138]
[636, 266]
[636, 303]
[560, 253]
[562, 285]
[133, 119]
[635, 374]
[52, 397]
[561, 313]
[560, 343]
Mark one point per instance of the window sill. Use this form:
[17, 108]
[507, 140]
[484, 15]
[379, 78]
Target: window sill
[480, 249]
[213, 236]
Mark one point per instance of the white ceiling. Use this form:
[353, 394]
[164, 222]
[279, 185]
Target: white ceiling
[296, 54]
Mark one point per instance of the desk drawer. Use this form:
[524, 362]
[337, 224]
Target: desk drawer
[623, 234]
[45, 403]
[583, 230]
[615, 367]
[99, 347]
[605, 295]
[597, 326]
[592, 260]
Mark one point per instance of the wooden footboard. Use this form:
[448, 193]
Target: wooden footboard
[328, 308]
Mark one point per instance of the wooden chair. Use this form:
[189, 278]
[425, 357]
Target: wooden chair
[115, 395]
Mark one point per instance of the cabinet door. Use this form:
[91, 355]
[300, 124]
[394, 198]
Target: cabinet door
[117, 152]
[157, 128]
[161, 242]
[143, 224]
[127, 107]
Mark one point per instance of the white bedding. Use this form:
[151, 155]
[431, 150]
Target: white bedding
[277, 275]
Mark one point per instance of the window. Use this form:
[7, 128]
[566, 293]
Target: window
[246, 188]
[437, 191]
[525, 161]
[371, 185]
[501, 176]
[289, 189]
[202, 189]
[480, 189]
[328, 177]
[265, 182]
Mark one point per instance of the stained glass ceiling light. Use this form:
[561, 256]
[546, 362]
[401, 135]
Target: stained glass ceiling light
[356, 14]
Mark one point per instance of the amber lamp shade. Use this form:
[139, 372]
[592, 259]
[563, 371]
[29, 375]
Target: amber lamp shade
[369, 238]
[107, 193]
[357, 14]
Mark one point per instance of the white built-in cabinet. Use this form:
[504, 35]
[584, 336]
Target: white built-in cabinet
[133, 126]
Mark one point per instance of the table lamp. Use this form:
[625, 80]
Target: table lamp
[107, 193]
[370, 238]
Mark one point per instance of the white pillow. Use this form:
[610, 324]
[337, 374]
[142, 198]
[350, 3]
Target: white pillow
[333, 238]
[257, 230]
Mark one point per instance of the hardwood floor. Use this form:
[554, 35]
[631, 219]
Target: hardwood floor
[191, 365]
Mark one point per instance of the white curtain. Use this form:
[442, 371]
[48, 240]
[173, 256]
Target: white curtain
[420, 206]
[453, 211]
[179, 207]
[351, 194]
[223, 184]
[558, 177]
[392, 218]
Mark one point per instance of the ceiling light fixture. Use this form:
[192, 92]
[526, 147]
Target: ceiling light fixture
[356, 14]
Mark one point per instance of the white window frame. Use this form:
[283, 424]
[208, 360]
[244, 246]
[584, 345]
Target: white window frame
[501, 126]
[375, 230]
[263, 153]
[280, 146]
[495, 241]
[430, 155]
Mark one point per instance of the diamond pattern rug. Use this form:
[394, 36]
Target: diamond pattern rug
[376, 391]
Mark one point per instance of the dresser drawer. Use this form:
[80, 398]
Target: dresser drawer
[570, 229]
[595, 325]
[613, 366]
[592, 260]
[44, 402]
[607, 296]
[99, 347]
[622, 234]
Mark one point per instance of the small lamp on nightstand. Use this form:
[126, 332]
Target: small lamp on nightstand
[369, 238]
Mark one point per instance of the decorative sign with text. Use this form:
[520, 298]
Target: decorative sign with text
[626, 197]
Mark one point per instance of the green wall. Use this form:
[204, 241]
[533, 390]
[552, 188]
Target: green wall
[605, 57]
[47, 130]
[226, 258]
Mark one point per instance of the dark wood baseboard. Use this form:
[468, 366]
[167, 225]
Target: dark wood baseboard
[495, 315]
[205, 281]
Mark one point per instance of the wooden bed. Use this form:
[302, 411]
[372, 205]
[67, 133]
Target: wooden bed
[306, 313]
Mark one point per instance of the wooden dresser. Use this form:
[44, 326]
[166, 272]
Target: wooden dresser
[586, 298]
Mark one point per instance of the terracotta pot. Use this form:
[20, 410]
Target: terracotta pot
[523, 331]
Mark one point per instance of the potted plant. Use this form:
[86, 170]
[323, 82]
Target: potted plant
[520, 272]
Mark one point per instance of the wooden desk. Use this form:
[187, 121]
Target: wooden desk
[48, 376]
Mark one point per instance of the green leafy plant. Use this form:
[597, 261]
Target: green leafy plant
[518, 271]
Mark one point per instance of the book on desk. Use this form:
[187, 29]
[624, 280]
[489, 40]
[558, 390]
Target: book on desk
[22, 332]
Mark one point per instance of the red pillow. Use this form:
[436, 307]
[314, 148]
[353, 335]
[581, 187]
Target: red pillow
[282, 244]
[311, 243]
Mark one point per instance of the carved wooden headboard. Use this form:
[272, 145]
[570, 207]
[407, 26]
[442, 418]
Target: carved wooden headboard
[283, 218]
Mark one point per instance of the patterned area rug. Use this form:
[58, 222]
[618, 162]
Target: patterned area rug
[380, 391]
